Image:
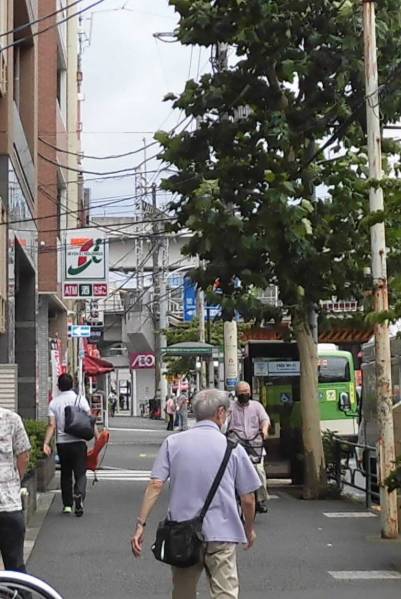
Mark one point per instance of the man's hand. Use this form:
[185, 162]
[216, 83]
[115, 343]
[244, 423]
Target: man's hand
[137, 540]
[47, 450]
[250, 536]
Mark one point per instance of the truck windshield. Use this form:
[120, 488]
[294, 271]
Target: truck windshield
[333, 369]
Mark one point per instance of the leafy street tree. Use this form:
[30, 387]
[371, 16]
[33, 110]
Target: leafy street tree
[273, 181]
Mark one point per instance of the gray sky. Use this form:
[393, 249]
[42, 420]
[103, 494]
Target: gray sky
[126, 74]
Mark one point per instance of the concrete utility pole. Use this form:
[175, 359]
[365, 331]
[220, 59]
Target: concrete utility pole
[230, 328]
[200, 311]
[386, 452]
[156, 294]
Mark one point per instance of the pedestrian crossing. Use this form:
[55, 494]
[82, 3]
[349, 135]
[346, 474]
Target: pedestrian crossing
[120, 475]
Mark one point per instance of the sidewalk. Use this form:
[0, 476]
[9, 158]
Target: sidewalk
[44, 503]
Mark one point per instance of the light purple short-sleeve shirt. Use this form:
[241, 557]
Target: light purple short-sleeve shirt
[191, 460]
[247, 420]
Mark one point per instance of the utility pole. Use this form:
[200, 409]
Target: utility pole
[156, 294]
[230, 327]
[200, 310]
[163, 320]
[386, 452]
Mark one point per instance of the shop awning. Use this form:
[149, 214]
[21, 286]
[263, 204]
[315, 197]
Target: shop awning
[96, 366]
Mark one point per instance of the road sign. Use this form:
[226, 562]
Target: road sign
[286, 398]
[189, 299]
[80, 330]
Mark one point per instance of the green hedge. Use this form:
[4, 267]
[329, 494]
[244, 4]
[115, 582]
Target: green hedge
[36, 430]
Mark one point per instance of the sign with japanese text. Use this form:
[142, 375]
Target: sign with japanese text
[85, 264]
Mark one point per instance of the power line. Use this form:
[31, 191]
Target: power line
[35, 33]
[88, 157]
[39, 218]
[38, 20]
[106, 173]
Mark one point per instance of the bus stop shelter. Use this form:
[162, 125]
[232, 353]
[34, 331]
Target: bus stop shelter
[204, 352]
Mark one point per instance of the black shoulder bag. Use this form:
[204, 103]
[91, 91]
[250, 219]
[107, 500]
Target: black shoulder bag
[180, 543]
[78, 423]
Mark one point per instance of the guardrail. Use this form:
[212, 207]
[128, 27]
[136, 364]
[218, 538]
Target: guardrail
[354, 465]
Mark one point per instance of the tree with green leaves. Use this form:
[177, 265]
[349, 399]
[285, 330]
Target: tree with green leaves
[278, 193]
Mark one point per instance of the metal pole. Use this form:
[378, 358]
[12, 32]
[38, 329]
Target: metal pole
[388, 501]
[134, 397]
[106, 393]
[156, 294]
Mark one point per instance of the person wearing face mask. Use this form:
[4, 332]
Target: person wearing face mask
[247, 418]
[190, 461]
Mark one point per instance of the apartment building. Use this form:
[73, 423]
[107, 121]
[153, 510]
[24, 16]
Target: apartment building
[19, 200]
[39, 121]
[59, 183]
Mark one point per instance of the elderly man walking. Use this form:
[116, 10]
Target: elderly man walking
[248, 419]
[191, 460]
[14, 458]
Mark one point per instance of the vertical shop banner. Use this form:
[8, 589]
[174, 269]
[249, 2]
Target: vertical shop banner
[85, 264]
[56, 366]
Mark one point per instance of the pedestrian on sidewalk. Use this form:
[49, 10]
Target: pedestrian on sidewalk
[247, 418]
[191, 461]
[170, 411]
[14, 458]
[182, 411]
[72, 451]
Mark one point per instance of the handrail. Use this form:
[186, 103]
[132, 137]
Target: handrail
[348, 467]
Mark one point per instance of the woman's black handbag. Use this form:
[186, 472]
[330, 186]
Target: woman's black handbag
[78, 423]
[180, 543]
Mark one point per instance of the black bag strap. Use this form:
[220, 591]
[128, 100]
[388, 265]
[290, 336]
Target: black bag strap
[217, 479]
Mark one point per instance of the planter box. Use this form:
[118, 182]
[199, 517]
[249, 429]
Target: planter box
[29, 500]
[45, 470]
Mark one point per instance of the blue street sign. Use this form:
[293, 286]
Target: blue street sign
[80, 330]
[189, 299]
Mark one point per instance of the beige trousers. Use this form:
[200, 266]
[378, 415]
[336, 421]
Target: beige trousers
[261, 494]
[220, 564]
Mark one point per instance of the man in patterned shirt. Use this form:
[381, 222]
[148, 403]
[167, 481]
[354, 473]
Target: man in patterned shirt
[14, 457]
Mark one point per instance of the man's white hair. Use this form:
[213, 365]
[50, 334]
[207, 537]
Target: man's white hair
[206, 403]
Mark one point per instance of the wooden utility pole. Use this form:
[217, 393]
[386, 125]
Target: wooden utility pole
[386, 452]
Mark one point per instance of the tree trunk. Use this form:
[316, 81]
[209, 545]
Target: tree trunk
[314, 470]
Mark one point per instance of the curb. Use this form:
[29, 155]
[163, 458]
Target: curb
[44, 502]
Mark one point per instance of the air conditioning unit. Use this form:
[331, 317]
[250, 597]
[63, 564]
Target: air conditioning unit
[3, 74]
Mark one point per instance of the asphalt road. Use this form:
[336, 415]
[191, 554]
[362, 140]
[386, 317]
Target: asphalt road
[296, 548]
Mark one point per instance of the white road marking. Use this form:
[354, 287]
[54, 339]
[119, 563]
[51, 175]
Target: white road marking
[274, 497]
[137, 430]
[121, 475]
[349, 515]
[365, 574]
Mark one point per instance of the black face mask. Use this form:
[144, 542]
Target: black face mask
[243, 399]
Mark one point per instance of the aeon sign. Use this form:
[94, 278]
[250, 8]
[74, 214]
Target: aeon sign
[139, 361]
